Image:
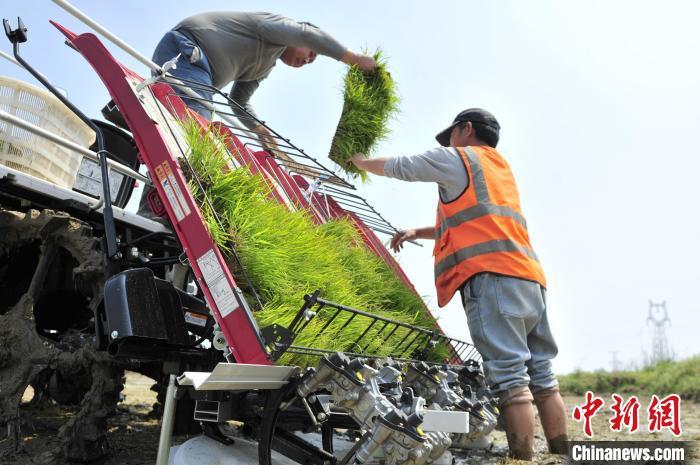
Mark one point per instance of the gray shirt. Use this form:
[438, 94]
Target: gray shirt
[244, 47]
[441, 165]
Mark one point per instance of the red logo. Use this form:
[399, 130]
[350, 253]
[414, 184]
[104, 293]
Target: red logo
[625, 415]
[587, 411]
[663, 413]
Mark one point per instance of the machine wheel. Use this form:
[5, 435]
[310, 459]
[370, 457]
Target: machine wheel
[274, 438]
[51, 277]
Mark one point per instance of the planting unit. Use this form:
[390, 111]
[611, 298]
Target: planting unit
[178, 302]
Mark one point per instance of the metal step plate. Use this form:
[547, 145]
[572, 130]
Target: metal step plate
[236, 376]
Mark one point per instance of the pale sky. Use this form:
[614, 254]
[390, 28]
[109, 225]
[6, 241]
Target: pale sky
[598, 103]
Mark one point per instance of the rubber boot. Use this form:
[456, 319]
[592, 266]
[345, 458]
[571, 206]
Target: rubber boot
[553, 417]
[519, 422]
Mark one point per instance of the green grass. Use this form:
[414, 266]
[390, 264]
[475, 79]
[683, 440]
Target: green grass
[287, 256]
[370, 100]
[682, 378]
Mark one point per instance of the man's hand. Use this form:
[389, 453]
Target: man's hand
[371, 165]
[365, 62]
[267, 139]
[357, 159]
[401, 237]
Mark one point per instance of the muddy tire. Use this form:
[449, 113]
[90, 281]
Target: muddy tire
[51, 280]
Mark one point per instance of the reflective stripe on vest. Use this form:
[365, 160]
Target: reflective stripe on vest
[484, 205]
[479, 226]
[503, 245]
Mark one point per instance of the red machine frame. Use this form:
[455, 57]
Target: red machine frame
[221, 292]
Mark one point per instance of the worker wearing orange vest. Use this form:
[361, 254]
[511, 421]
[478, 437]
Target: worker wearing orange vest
[482, 248]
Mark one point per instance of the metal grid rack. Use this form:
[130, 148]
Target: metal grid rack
[400, 341]
[319, 185]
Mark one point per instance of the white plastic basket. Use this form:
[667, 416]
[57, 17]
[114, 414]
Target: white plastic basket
[32, 154]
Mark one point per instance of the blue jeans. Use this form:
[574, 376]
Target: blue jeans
[507, 320]
[192, 65]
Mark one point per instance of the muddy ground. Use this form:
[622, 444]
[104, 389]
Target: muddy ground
[133, 434]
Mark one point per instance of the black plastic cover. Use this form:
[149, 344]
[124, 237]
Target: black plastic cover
[143, 311]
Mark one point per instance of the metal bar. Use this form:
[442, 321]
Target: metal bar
[364, 332]
[386, 323]
[472, 353]
[359, 206]
[396, 326]
[360, 312]
[375, 224]
[298, 317]
[70, 145]
[10, 58]
[352, 317]
[398, 346]
[248, 133]
[411, 343]
[108, 35]
[110, 235]
[166, 428]
[340, 194]
[368, 221]
[355, 195]
[329, 322]
[425, 344]
[302, 350]
[464, 348]
[306, 323]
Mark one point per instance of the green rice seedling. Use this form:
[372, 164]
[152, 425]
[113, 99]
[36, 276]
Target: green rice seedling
[286, 255]
[369, 101]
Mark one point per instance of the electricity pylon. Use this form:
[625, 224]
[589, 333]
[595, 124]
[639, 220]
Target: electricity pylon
[658, 317]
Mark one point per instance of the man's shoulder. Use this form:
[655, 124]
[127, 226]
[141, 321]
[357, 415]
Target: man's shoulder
[442, 152]
[483, 150]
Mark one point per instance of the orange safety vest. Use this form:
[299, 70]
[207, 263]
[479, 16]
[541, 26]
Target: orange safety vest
[483, 229]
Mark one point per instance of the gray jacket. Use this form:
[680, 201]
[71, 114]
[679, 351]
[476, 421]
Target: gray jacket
[441, 165]
[244, 46]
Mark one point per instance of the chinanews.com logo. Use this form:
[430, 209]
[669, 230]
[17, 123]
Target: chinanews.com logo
[630, 416]
[629, 452]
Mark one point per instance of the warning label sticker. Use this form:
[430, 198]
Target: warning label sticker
[172, 191]
[217, 283]
[169, 193]
[195, 319]
[176, 188]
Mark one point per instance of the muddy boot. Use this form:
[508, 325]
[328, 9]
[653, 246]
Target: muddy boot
[553, 418]
[519, 421]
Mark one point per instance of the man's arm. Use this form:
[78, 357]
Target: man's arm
[281, 30]
[364, 62]
[278, 29]
[371, 165]
[440, 165]
[427, 232]
[436, 165]
[241, 91]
